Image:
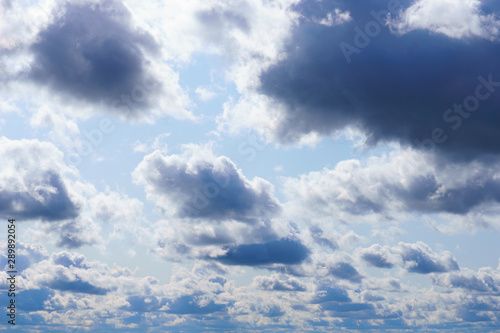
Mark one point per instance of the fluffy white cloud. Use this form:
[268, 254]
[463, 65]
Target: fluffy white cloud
[453, 18]
[394, 186]
[198, 185]
[415, 258]
[485, 280]
[33, 182]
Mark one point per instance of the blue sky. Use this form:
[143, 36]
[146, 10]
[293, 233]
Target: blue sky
[251, 165]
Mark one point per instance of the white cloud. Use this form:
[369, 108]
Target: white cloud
[453, 18]
[395, 186]
[159, 143]
[337, 17]
[197, 185]
[205, 94]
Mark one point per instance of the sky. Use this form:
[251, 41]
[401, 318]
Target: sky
[251, 165]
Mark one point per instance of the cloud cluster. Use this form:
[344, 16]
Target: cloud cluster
[37, 185]
[394, 186]
[415, 258]
[214, 211]
[65, 288]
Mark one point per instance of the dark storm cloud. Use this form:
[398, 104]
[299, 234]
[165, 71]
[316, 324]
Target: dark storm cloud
[55, 205]
[283, 251]
[93, 54]
[396, 88]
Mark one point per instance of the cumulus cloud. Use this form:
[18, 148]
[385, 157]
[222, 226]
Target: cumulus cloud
[26, 254]
[336, 17]
[419, 258]
[377, 256]
[456, 19]
[196, 184]
[37, 185]
[344, 270]
[91, 52]
[327, 293]
[69, 285]
[283, 251]
[278, 283]
[341, 76]
[32, 182]
[67, 288]
[485, 280]
[414, 258]
[213, 211]
[90, 57]
[392, 186]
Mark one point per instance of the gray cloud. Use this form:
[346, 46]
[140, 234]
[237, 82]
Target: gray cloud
[51, 205]
[394, 87]
[327, 293]
[32, 182]
[414, 257]
[485, 280]
[346, 271]
[283, 251]
[391, 187]
[92, 53]
[419, 258]
[278, 283]
[205, 188]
